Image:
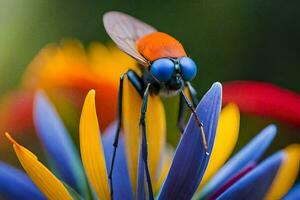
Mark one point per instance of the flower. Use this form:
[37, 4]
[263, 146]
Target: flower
[189, 173]
[67, 71]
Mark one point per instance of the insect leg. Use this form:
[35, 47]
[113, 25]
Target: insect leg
[181, 111]
[144, 140]
[181, 115]
[192, 93]
[189, 104]
[116, 139]
[137, 83]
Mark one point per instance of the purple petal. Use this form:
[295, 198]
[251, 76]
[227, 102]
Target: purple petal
[232, 181]
[121, 181]
[249, 154]
[58, 144]
[15, 184]
[190, 160]
[256, 183]
[293, 194]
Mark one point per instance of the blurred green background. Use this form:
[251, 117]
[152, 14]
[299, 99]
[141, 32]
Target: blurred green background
[230, 40]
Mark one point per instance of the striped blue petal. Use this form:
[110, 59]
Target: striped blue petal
[294, 193]
[257, 182]
[121, 181]
[57, 143]
[15, 184]
[249, 154]
[190, 159]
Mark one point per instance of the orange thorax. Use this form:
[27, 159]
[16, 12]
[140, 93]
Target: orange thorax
[159, 45]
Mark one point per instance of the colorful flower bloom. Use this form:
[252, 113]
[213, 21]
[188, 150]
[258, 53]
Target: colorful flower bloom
[67, 72]
[189, 173]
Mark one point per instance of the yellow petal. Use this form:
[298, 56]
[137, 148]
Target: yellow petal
[91, 148]
[49, 185]
[225, 141]
[287, 173]
[156, 129]
[168, 156]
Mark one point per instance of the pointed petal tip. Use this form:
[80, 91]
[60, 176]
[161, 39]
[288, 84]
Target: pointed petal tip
[39, 174]
[40, 95]
[281, 156]
[40, 99]
[270, 131]
[39, 92]
[216, 87]
[92, 92]
[10, 139]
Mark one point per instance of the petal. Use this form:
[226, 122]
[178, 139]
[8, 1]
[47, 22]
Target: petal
[167, 160]
[156, 129]
[249, 154]
[14, 184]
[16, 108]
[141, 179]
[226, 138]
[68, 55]
[287, 174]
[53, 134]
[190, 158]
[231, 181]
[294, 193]
[72, 76]
[49, 185]
[121, 179]
[256, 183]
[264, 99]
[92, 154]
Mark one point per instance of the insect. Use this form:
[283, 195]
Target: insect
[166, 70]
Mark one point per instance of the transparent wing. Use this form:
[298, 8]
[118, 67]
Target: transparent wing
[124, 30]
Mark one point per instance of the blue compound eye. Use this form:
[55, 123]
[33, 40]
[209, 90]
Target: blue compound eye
[188, 68]
[162, 69]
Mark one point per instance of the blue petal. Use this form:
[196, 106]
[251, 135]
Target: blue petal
[190, 160]
[58, 144]
[140, 190]
[121, 180]
[249, 154]
[15, 184]
[256, 183]
[293, 194]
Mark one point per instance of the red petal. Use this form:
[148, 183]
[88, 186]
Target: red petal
[264, 99]
[16, 111]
